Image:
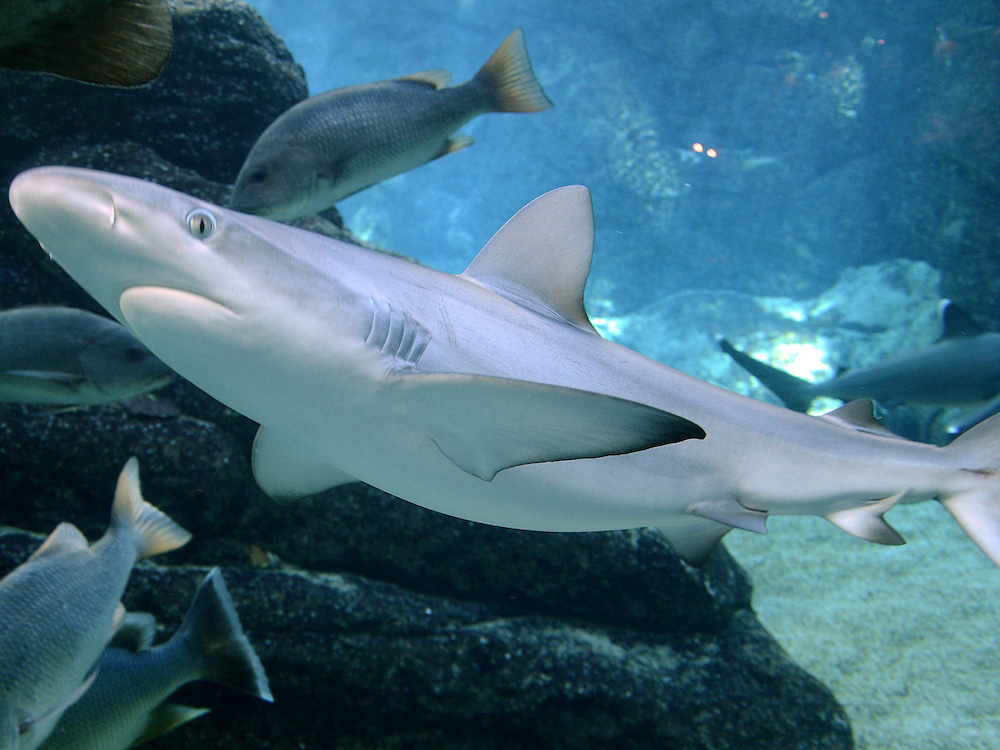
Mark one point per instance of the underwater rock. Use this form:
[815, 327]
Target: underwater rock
[355, 663]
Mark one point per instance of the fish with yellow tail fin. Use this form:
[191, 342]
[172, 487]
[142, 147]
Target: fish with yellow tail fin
[126, 705]
[59, 609]
[336, 143]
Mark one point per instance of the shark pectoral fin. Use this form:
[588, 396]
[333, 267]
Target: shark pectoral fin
[64, 538]
[866, 521]
[486, 424]
[287, 471]
[730, 512]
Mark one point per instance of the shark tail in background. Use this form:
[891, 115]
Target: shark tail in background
[977, 510]
[510, 79]
[794, 392]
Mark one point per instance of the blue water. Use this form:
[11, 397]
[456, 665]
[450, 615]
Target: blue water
[785, 110]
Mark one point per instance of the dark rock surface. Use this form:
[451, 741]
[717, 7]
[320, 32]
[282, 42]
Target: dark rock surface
[358, 663]
[431, 632]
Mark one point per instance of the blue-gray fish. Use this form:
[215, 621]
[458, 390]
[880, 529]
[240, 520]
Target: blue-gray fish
[59, 609]
[109, 42]
[334, 144]
[64, 356]
[126, 704]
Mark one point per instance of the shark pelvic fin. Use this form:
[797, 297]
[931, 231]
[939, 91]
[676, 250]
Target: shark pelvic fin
[285, 471]
[730, 512]
[695, 542]
[541, 257]
[487, 424]
[866, 521]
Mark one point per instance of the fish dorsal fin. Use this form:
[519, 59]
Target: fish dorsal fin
[65, 538]
[957, 322]
[541, 257]
[858, 415]
[438, 78]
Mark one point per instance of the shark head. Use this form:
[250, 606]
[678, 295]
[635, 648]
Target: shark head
[185, 276]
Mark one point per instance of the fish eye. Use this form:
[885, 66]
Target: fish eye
[201, 223]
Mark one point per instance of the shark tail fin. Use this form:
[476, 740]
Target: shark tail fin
[510, 79]
[796, 393]
[977, 510]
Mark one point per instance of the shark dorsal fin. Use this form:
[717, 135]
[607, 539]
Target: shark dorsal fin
[541, 257]
[858, 415]
[957, 322]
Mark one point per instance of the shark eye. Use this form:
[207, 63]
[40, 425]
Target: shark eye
[201, 223]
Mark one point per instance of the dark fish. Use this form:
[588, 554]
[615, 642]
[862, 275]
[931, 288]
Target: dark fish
[110, 42]
[334, 144]
[59, 609]
[126, 704]
[68, 357]
[963, 368]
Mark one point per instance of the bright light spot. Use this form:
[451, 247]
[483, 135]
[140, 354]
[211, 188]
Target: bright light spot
[698, 148]
[824, 15]
[803, 359]
[609, 328]
[712, 152]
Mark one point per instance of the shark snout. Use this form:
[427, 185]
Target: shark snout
[55, 203]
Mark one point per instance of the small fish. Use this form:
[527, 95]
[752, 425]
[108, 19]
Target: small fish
[334, 144]
[108, 42]
[125, 705]
[69, 357]
[59, 609]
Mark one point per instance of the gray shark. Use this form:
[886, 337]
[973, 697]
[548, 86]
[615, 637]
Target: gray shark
[961, 369]
[486, 395]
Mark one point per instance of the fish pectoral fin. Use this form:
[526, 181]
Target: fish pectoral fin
[51, 376]
[64, 538]
[456, 143]
[165, 717]
[285, 470]
[42, 725]
[866, 521]
[729, 511]
[487, 424]
[135, 632]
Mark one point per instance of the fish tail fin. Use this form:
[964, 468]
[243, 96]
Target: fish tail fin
[510, 79]
[977, 510]
[153, 530]
[796, 393]
[212, 630]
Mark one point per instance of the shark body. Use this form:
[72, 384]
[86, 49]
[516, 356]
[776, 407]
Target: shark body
[486, 395]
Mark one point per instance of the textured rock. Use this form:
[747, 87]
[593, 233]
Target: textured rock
[355, 663]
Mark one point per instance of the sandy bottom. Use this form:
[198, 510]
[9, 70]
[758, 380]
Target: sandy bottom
[908, 638]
